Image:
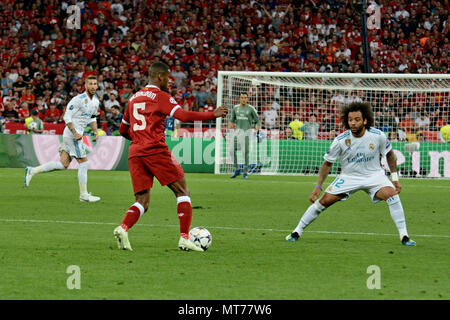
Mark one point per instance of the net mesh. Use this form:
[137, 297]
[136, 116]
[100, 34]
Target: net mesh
[299, 113]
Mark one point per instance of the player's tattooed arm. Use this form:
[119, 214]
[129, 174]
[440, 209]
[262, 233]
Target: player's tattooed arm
[76, 135]
[392, 161]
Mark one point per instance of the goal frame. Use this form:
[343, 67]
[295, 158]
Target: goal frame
[410, 79]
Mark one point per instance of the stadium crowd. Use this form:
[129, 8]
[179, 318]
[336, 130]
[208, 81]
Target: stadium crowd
[45, 57]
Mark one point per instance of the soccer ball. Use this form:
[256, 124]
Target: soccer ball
[201, 237]
[33, 125]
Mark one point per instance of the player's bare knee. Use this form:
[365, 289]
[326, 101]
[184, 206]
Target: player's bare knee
[325, 202]
[65, 164]
[319, 206]
[386, 193]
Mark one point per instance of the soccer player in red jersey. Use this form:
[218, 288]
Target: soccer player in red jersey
[149, 156]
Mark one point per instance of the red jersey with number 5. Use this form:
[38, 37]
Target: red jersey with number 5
[146, 114]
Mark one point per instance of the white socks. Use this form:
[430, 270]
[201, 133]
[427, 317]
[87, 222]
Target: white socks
[398, 215]
[140, 207]
[82, 176]
[395, 208]
[49, 166]
[57, 165]
[309, 216]
[183, 199]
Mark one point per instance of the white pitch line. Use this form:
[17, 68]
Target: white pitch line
[223, 228]
[313, 183]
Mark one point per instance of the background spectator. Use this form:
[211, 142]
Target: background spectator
[24, 111]
[201, 96]
[52, 114]
[119, 40]
[114, 120]
[112, 101]
[407, 124]
[288, 134]
[295, 125]
[33, 124]
[270, 117]
[6, 83]
[311, 128]
[422, 122]
[10, 113]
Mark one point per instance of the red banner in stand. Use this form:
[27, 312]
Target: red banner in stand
[19, 128]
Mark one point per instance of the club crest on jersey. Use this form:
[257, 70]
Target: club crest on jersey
[348, 142]
[86, 101]
[371, 146]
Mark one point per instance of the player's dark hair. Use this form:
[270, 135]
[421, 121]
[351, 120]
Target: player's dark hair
[90, 77]
[157, 68]
[365, 110]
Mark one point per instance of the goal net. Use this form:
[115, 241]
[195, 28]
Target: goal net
[299, 114]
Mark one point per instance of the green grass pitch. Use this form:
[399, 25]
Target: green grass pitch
[45, 229]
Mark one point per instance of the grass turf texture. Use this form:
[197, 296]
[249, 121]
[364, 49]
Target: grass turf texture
[45, 229]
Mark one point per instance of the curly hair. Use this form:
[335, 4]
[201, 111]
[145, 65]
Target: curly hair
[365, 110]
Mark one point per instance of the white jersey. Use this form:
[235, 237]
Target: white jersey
[80, 111]
[359, 156]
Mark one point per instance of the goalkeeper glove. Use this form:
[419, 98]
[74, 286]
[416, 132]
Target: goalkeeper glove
[259, 136]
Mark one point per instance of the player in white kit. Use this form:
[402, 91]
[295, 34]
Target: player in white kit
[80, 112]
[359, 150]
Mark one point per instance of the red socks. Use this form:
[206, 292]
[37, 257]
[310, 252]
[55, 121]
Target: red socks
[132, 216]
[184, 210]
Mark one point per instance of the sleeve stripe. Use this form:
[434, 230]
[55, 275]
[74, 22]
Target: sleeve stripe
[174, 109]
[123, 120]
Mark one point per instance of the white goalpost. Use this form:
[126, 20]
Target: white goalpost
[299, 113]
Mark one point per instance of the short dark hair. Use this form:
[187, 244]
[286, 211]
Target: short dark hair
[90, 77]
[158, 68]
[365, 110]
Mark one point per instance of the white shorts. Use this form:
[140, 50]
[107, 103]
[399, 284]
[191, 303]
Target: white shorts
[75, 148]
[347, 185]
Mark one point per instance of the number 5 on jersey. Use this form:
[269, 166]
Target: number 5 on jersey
[139, 117]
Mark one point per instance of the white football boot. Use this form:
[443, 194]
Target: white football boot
[186, 245]
[28, 175]
[87, 197]
[122, 238]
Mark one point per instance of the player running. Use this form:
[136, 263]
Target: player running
[359, 149]
[149, 156]
[80, 112]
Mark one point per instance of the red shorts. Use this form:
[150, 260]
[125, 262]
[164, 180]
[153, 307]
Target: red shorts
[163, 166]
